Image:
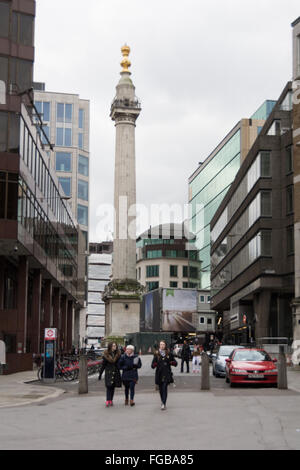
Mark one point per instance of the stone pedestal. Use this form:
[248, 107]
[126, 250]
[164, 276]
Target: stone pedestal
[122, 307]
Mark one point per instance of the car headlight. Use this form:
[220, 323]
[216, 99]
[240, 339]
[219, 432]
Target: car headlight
[239, 371]
[271, 371]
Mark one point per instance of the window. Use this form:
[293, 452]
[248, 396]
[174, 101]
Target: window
[266, 203]
[82, 214]
[193, 272]
[83, 165]
[173, 284]
[152, 285]
[209, 321]
[289, 159]
[64, 136]
[152, 271]
[266, 243]
[4, 19]
[275, 128]
[290, 240]
[22, 28]
[80, 140]
[66, 185]
[43, 108]
[83, 190]
[208, 298]
[289, 199]
[64, 112]
[80, 118]
[202, 320]
[185, 271]
[202, 298]
[63, 161]
[265, 164]
[173, 271]
[154, 254]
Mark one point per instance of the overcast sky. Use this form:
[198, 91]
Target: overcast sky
[198, 68]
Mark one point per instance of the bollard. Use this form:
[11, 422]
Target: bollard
[83, 375]
[205, 381]
[282, 370]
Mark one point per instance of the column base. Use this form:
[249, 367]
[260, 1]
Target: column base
[122, 307]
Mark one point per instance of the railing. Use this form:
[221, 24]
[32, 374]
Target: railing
[125, 103]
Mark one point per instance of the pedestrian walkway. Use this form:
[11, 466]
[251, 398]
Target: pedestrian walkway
[23, 389]
[20, 389]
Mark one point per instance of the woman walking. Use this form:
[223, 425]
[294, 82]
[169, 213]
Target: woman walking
[129, 364]
[112, 373]
[162, 361]
[196, 359]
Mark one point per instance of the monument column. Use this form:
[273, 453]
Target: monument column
[123, 294]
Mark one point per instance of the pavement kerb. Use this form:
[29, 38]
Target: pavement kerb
[50, 393]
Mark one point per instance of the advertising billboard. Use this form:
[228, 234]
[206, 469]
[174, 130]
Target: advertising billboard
[150, 312]
[178, 307]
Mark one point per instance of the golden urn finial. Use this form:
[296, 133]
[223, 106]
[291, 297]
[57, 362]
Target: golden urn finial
[125, 62]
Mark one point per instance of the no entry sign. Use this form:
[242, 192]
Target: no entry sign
[50, 334]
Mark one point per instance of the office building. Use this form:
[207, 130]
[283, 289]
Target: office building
[212, 179]
[164, 258]
[66, 124]
[40, 262]
[252, 235]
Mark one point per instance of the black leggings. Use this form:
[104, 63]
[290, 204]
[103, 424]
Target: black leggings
[110, 391]
[129, 385]
[163, 390]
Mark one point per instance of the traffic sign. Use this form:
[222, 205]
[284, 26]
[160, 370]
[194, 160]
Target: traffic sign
[50, 334]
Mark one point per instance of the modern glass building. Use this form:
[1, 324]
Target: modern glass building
[212, 179]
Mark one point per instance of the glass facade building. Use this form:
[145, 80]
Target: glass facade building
[210, 182]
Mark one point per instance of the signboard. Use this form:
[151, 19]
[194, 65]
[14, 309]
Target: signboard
[50, 354]
[50, 334]
[178, 306]
[150, 312]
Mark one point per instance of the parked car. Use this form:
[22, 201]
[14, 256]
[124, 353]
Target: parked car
[248, 366]
[218, 359]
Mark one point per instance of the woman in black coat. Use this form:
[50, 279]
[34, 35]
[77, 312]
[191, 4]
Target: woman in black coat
[110, 364]
[162, 361]
[129, 364]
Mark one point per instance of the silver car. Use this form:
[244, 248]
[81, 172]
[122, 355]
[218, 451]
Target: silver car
[220, 357]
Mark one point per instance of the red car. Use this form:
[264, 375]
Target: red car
[248, 366]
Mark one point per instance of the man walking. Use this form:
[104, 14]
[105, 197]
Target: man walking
[185, 356]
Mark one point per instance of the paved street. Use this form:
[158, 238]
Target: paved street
[222, 418]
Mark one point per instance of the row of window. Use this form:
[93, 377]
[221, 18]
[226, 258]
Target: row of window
[173, 284]
[187, 271]
[16, 26]
[82, 187]
[63, 137]
[259, 245]
[64, 112]
[33, 159]
[64, 163]
[260, 168]
[16, 72]
[261, 206]
[17, 202]
[167, 254]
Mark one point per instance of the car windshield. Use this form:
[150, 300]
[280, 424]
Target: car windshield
[226, 350]
[257, 356]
